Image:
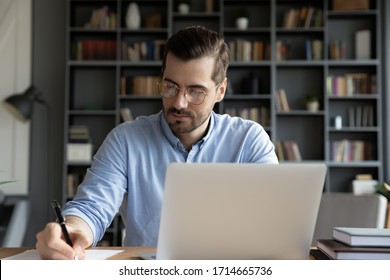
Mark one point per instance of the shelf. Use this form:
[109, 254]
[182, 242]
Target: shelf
[354, 97]
[300, 113]
[352, 14]
[247, 96]
[92, 112]
[99, 82]
[354, 129]
[350, 164]
[299, 30]
[353, 62]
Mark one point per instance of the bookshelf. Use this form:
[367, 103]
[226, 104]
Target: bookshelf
[111, 71]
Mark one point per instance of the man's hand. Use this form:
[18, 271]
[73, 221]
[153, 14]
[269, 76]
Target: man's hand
[51, 244]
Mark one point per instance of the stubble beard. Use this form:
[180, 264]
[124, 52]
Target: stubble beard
[178, 127]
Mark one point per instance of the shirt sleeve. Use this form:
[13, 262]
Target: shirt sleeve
[101, 193]
[260, 147]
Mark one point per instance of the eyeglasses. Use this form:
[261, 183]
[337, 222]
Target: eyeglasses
[194, 95]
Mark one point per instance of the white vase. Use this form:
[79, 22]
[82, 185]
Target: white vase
[242, 23]
[133, 16]
[183, 8]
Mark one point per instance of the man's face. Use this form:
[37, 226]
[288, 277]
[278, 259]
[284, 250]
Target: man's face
[182, 116]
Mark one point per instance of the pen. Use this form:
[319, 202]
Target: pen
[61, 221]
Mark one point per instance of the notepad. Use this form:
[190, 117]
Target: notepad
[93, 254]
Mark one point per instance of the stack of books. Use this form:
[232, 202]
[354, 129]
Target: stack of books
[351, 243]
[79, 147]
[79, 134]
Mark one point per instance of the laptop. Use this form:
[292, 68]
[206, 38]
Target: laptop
[239, 211]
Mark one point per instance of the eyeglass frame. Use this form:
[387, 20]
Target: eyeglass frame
[178, 89]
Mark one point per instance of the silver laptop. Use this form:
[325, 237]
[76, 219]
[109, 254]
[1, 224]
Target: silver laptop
[239, 211]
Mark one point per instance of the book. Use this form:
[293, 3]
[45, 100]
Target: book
[318, 255]
[362, 236]
[363, 176]
[285, 107]
[288, 148]
[279, 150]
[339, 251]
[296, 151]
[363, 44]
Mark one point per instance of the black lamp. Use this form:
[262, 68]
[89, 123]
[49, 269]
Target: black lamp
[20, 105]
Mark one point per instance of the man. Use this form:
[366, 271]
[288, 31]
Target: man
[128, 171]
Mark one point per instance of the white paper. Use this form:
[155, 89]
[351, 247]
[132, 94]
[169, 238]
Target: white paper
[93, 254]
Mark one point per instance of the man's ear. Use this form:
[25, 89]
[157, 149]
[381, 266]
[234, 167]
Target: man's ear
[221, 90]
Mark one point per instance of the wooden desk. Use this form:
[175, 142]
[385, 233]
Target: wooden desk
[129, 253]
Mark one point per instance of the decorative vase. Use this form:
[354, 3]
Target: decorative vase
[133, 16]
[183, 8]
[242, 23]
[312, 106]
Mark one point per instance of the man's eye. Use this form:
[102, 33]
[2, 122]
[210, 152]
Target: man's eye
[169, 85]
[195, 91]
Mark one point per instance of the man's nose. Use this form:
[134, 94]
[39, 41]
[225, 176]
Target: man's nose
[180, 100]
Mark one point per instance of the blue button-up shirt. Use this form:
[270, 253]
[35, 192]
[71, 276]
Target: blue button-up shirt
[128, 171]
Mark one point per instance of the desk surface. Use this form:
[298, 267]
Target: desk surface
[129, 253]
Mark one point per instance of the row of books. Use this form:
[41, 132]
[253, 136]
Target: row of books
[74, 180]
[102, 19]
[350, 243]
[306, 16]
[240, 50]
[145, 50]
[337, 50]
[283, 50]
[260, 115]
[246, 50]
[79, 147]
[350, 84]
[79, 134]
[362, 44]
[314, 50]
[361, 116]
[93, 49]
[139, 85]
[351, 150]
[287, 150]
[281, 101]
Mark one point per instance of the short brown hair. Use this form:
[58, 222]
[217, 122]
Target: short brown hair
[196, 42]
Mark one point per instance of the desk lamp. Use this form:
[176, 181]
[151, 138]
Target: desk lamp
[20, 105]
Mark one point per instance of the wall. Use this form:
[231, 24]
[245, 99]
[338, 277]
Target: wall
[49, 76]
[15, 77]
